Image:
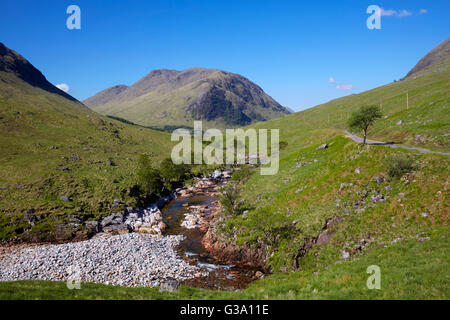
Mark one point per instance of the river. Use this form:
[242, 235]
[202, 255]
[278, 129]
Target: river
[221, 276]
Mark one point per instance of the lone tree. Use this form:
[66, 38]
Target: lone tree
[364, 118]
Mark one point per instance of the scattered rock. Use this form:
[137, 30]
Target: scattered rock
[345, 254]
[378, 198]
[226, 174]
[64, 198]
[322, 146]
[148, 220]
[379, 179]
[170, 285]
[116, 229]
[30, 218]
[419, 139]
[217, 174]
[399, 122]
[323, 238]
[300, 189]
[396, 240]
[75, 157]
[92, 226]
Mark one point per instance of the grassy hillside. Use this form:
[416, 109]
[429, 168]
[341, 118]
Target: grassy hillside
[51, 146]
[428, 113]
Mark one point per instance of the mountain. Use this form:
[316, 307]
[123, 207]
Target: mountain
[170, 98]
[438, 56]
[13, 63]
[51, 145]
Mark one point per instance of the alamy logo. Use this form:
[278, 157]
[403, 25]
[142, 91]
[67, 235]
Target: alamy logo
[74, 278]
[374, 281]
[374, 20]
[74, 20]
[235, 147]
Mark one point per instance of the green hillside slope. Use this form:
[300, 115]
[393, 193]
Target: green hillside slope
[425, 123]
[52, 146]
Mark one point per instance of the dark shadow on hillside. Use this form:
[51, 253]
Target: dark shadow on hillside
[12, 62]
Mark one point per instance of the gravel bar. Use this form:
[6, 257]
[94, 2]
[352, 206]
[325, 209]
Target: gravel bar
[128, 260]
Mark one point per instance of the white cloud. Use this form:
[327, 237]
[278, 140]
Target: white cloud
[64, 87]
[395, 13]
[404, 13]
[344, 86]
[423, 11]
[331, 80]
[387, 13]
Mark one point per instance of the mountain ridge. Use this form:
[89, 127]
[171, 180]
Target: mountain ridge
[174, 97]
[13, 62]
[438, 55]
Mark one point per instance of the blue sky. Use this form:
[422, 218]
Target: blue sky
[290, 48]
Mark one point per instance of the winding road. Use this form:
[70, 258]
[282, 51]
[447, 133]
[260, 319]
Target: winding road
[392, 145]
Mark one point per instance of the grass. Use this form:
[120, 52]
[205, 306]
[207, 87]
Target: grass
[328, 186]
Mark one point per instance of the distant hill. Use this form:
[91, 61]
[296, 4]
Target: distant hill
[51, 145]
[440, 55]
[170, 98]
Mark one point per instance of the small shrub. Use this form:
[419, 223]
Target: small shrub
[397, 165]
[242, 175]
[283, 145]
[230, 199]
[172, 174]
[85, 182]
[149, 179]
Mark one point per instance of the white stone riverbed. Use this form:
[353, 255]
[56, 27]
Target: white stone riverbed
[128, 260]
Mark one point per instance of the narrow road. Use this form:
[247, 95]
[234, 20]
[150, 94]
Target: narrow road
[392, 145]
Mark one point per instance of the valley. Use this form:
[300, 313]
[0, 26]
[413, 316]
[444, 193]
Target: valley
[334, 207]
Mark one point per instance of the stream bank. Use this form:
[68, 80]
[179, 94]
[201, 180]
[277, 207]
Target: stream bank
[171, 240]
[193, 214]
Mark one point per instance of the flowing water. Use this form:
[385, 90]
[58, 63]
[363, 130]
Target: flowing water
[221, 276]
